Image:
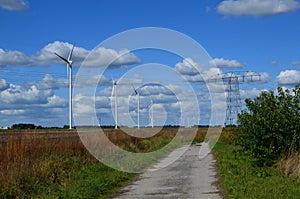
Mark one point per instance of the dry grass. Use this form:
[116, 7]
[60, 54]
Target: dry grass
[290, 165]
[33, 161]
[38, 158]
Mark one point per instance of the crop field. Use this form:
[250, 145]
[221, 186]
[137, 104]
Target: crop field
[43, 163]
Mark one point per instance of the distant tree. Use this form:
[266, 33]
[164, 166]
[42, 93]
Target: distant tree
[23, 126]
[270, 126]
[65, 126]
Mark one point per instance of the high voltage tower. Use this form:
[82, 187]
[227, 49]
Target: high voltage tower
[232, 81]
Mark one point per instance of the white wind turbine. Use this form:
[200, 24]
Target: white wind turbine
[69, 67]
[114, 93]
[138, 105]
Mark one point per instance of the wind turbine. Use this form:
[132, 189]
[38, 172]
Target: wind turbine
[138, 94]
[69, 66]
[114, 93]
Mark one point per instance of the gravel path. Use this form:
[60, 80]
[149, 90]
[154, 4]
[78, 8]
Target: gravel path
[188, 177]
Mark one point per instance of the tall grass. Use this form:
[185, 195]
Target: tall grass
[31, 161]
[55, 164]
[240, 177]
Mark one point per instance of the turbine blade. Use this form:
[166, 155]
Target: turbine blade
[113, 86]
[64, 59]
[71, 52]
[112, 90]
[134, 90]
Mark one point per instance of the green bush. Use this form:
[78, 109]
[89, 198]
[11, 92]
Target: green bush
[271, 125]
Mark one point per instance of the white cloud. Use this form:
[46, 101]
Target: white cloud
[33, 103]
[14, 58]
[56, 102]
[188, 67]
[262, 77]
[250, 93]
[296, 63]
[49, 82]
[194, 72]
[258, 8]
[19, 95]
[288, 77]
[225, 63]
[12, 112]
[3, 84]
[16, 5]
[98, 57]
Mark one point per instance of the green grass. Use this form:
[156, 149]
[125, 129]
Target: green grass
[239, 178]
[97, 181]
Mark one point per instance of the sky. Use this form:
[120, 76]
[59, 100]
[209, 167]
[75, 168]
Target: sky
[250, 37]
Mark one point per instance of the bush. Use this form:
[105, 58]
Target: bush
[271, 125]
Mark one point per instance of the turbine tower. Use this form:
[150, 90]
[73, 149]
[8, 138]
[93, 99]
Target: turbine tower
[138, 105]
[69, 67]
[114, 93]
[151, 116]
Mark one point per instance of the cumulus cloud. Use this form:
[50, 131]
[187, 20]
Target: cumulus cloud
[251, 76]
[3, 84]
[257, 8]
[250, 93]
[188, 67]
[32, 102]
[32, 95]
[56, 102]
[288, 77]
[98, 57]
[194, 72]
[14, 58]
[13, 5]
[225, 63]
[49, 82]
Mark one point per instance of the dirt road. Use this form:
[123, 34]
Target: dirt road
[187, 177]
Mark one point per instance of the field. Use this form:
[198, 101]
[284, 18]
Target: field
[55, 164]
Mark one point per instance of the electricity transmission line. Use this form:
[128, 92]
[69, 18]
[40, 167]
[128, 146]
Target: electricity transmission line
[232, 81]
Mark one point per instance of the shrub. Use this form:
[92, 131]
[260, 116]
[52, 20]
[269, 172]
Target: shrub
[271, 125]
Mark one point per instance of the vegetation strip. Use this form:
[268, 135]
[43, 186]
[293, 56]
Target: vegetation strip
[57, 165]
[241, 177]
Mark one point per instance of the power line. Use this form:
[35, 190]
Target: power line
[232, 81]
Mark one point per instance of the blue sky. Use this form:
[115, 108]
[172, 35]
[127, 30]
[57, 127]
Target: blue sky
[240, 35]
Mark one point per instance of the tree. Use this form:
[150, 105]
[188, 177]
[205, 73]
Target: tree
[23, 126]
[270, 126]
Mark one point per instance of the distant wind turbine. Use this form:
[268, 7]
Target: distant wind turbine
[114, 93]
[69, 67]
[138, 112]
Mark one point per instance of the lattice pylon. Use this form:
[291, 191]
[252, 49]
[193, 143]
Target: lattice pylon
[233, 100]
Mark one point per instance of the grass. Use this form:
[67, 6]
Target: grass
[54, 164]
[240, 178]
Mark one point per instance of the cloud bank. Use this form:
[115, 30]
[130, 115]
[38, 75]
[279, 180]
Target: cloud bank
[13, 5]
[257, 8]
[98, 57]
